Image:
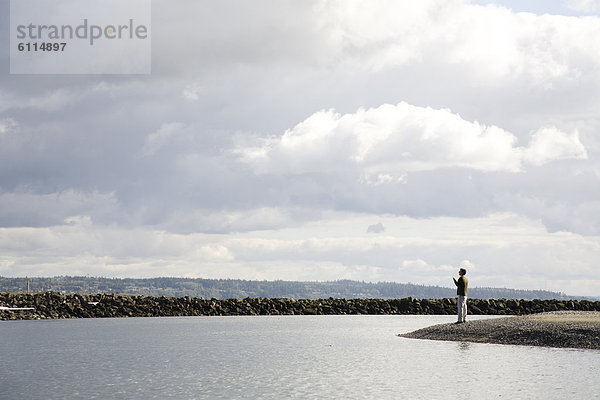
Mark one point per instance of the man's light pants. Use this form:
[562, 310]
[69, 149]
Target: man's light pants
[462, 308]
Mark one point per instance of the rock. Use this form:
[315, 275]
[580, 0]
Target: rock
[55, 305]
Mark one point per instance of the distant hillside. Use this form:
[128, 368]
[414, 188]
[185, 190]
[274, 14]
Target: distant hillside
[235, 288]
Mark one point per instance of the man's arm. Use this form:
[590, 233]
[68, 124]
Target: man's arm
[455, 282]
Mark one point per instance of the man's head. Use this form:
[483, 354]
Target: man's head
[462, 271]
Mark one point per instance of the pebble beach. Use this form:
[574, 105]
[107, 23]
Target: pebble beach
[564, 329]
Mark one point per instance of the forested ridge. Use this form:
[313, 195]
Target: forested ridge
[237, 288]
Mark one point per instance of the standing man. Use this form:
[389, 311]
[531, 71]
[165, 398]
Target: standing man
[461, 291]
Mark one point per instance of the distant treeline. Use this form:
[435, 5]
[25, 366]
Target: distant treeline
[236, 288]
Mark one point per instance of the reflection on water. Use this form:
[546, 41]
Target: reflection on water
[350, 357]
[464, 346]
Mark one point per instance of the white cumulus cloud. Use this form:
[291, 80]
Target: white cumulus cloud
[392, 139]
[490, 42]
[548, 144]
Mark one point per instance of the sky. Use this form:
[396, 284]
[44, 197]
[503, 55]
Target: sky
[374, 140]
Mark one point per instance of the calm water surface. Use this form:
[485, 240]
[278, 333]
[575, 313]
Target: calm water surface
[302, 357]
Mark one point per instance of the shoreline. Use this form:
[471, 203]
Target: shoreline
[561, 329]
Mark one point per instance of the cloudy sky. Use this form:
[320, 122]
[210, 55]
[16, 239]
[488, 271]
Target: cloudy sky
[375, 140]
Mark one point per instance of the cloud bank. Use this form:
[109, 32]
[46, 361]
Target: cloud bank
[371, 140]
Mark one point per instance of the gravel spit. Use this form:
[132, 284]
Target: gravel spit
[568, 329]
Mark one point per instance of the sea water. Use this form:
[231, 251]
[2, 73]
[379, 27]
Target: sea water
[287, 357]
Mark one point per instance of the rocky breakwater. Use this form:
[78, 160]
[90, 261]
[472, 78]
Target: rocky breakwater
[52, 305]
